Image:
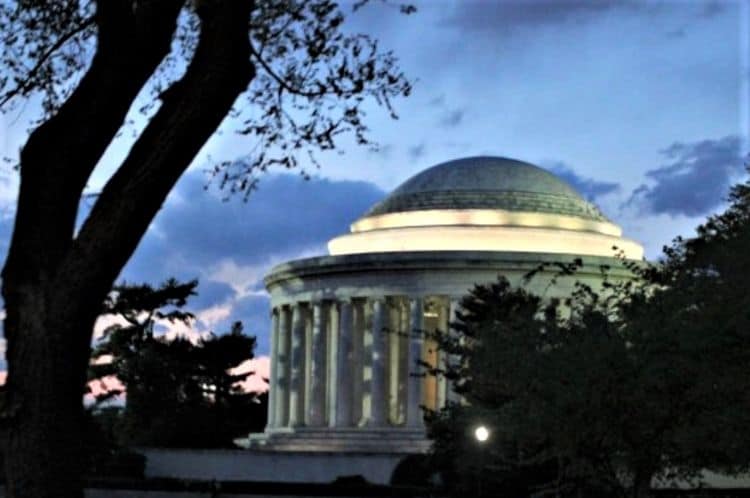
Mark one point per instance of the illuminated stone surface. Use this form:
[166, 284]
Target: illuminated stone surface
[487, 183]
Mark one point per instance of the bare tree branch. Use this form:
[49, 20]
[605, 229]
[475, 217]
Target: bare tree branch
[27, 82]
[281, 81]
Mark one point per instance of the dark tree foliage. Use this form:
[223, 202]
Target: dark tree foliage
[286, 73]
[604, 392]
[106, 457]
[179, 393]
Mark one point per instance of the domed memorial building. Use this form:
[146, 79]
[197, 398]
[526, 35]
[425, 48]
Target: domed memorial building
[345, 336]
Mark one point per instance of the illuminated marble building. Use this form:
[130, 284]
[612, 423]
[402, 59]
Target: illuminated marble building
[345, 341]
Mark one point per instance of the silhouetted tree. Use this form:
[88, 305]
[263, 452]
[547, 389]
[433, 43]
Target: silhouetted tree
[303, 81]
[105, 455]
[180, 393]
[605, 391]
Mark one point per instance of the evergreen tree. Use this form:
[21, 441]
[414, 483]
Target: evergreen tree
[180, 393]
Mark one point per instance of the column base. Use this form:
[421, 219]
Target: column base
[396, 440]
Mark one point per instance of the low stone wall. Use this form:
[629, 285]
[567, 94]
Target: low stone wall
[259, 465]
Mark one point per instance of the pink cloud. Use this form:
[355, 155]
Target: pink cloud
[105, 321]
[104, 385]
[261, 368]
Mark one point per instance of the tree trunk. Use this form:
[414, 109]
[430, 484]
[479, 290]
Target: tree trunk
[44, 441]
[54, 284]
[48, 327]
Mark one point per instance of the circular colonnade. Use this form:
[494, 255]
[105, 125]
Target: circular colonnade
[348, 329]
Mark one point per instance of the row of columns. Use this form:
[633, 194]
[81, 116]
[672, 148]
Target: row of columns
[331, 367]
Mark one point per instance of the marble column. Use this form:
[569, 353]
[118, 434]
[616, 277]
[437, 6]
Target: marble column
[415, 379]
[332, 352]
[441, 357]
[273, 377]
[281, 358]
[357, 367]
[343, 366]
[316, 414]
[403, 359]
[378, 386]
[453, 306]
[306, 373]
[394, 355]
[297, 381]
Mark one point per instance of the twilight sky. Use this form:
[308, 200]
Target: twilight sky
[641, 106]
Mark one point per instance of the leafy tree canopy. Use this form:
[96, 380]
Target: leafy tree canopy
[614, 387]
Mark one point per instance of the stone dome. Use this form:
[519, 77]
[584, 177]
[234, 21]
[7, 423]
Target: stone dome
[485, 204]
[486, 182]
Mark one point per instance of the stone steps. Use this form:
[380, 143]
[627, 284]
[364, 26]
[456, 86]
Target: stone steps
[387, 440]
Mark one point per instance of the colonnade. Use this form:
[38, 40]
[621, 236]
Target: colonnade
[355, 362]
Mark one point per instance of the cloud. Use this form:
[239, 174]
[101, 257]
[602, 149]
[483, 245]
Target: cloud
[695, 181]
[453, 118]
[589, 188]
[508, 15]
[261, 370]
[384, 151]
[240, 279]
[214, 314]
[712, 8]
[259, 367]
[416, 151]
[103, 322]
[6, 230]
[254, 311]
[676, 33]
[103, 385]
[438, 101]
[230, 246]
[9, 181]
[196, 230]
[210, 293]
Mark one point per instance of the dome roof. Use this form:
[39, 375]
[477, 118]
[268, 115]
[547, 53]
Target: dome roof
[485, 204]
[485, 182]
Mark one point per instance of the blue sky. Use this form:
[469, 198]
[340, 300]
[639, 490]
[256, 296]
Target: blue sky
[642, 106]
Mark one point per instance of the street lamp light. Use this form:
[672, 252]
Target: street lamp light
[482, 433]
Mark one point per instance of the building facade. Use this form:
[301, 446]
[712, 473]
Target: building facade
[347, 339]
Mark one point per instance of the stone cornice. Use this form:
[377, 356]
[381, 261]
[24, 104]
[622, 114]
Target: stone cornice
[437, 260]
